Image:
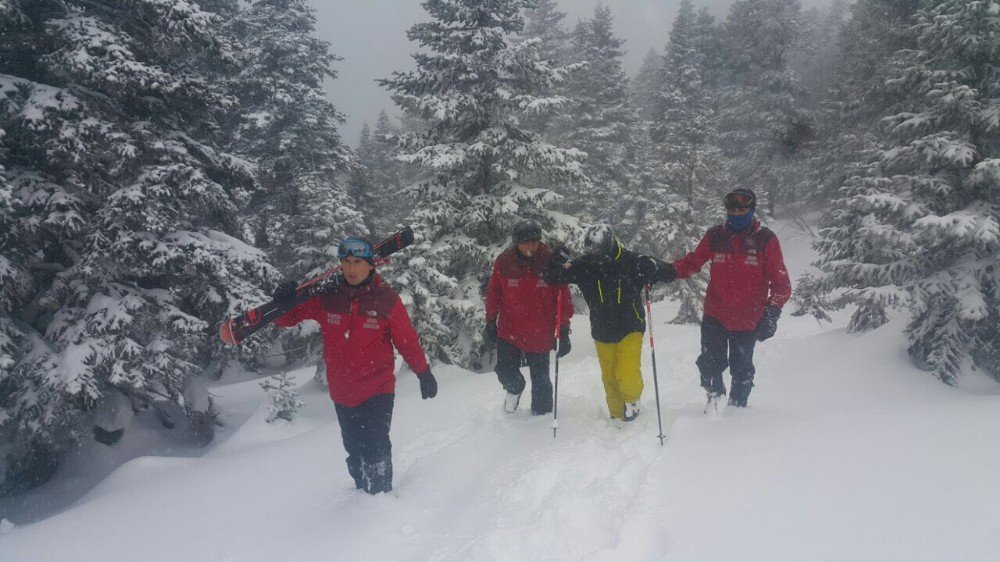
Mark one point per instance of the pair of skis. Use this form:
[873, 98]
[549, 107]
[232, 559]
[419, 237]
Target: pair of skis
[235, 330]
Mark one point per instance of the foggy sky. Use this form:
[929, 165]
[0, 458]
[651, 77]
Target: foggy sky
[370, 35]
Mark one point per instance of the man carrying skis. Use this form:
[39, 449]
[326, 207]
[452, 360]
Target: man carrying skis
[611, 279]
[362, 318]
[748, 286]
[521, 310]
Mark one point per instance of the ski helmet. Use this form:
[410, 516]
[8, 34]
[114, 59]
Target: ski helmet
[526, 231]
[599, 240]
[741, 198]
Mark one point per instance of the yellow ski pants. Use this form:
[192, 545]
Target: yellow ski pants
[620, 371]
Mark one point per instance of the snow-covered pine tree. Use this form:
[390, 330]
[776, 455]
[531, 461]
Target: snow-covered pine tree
[126, 216]
[826, 158]
[360, 185]
[39, 217]
[473, 85]
[858, 98]
[681, 200]
[643, 90]
[285, 401]
[709, 40]
[544, 21]
[644, 87]
[383, 176]
[818, 49]
[934, 207]
[290, 129]
[847, 157]
[14, 279]
[600, 121]
[842, 141]
[762, 125]
[683, 127]
[807, 300]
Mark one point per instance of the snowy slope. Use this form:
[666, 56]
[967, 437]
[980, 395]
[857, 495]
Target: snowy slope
[846, 453]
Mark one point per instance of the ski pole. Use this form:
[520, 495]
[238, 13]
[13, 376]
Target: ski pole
[652, 352]
[555, 391]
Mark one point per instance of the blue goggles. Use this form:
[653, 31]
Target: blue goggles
[355, 247]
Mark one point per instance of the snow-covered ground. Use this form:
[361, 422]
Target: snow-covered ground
[846, 453]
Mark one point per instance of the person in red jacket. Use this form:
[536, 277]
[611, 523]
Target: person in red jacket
[748, 286]
[521, 311]
[362, 318]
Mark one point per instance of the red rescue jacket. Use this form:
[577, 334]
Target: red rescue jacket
[747, 274]
[524, 305]
[360, 326]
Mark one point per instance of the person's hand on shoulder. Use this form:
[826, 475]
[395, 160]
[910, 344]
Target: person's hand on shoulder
[284, 293]
[647, 266]
[667, 273]
[559, 256]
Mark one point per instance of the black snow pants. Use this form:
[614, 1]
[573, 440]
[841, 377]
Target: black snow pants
[721, 348]
[509, 360]
[365, 430]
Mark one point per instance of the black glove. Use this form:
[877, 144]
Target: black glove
[490, 332]
[667, 274]
[428, 385]
[331, 283]
[647, 267]
[284, 293]
[558, 258]
[564, 344]
[558, 255]
[769, 323]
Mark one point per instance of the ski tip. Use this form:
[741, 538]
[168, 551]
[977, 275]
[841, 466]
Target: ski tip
[406, 236]
[226, 333]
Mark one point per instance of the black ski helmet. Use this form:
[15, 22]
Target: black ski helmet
[526, 231]
[599, 240]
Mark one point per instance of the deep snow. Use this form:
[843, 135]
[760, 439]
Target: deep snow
[846, 453]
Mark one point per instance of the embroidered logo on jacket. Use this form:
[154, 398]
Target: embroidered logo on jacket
[512, 282]
[332, 318]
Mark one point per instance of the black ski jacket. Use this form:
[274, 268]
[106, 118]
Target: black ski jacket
[612, 289]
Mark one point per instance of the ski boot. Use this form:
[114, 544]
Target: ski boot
[712, 404]
[510, 402]
[631, 411]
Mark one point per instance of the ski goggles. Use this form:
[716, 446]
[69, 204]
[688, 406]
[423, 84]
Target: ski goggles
[355, 247]
[738, 201]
